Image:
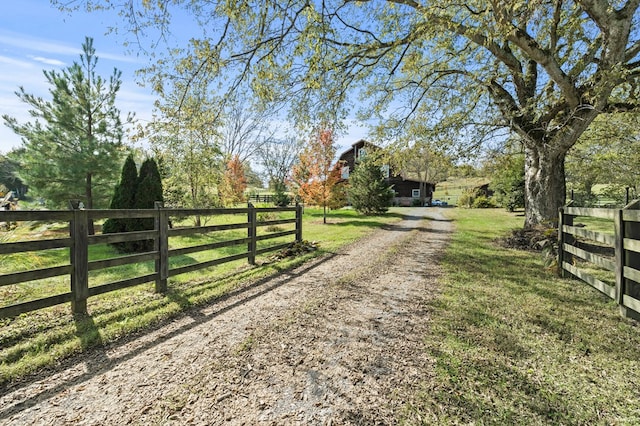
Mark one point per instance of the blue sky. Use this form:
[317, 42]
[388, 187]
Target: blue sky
[34, 36]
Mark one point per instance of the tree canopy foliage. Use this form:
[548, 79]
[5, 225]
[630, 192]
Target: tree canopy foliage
[453, 70]
[607, 153]
[234, 183]
[422, 162]
[277, 158]
[74, 146]
[9, 168]
[507, 180]
[316, 175]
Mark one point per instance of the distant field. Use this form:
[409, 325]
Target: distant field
[451, 189]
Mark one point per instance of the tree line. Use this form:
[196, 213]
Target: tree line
[456, 77]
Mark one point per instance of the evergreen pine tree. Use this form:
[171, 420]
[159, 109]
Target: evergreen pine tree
[280, 196]
[73, 146]
[368, 191]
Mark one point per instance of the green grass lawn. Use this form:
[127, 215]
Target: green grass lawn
[38, 339]
[512, 344]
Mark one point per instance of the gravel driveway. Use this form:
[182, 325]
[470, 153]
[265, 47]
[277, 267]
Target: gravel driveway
[336, 341]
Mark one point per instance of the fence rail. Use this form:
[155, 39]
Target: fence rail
[79, 241]
[607, 260]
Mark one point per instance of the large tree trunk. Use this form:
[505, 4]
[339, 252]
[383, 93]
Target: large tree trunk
[545, 187]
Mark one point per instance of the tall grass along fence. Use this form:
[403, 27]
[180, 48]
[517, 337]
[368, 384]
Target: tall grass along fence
[244, 238]
[602, 248]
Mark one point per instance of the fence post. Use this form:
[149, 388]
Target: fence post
[251, 233]
[630, 229]
[618, 226]
[161, 246]
[79, 260]
[563, 219]
[298, 222]
[560, 242]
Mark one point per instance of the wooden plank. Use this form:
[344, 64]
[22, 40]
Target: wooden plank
[34, 305]
[583, 211]
[35, 274]
[603, 287]
[119, 285]
[275, 209]
[631, 215]
[121, 237]
[632, 245]
[272, 248]
[23, 246]
[600, 237]
[276, 235]
[36, 215]
[276, 222]
[632, 274]
[607, 264]
[175, 232]
[631, 302]
[204, 247]
[205, 212]
[210, 263]
[122, 260]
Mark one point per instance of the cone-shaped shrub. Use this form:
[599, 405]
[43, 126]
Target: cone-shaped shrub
[123, 198]
[148, 192]
[135, 192]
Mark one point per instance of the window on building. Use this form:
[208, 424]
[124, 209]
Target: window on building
[362, 153]
[415, 193]
[345, 172]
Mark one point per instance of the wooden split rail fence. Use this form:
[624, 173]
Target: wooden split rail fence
[79, 241]
[608, 258]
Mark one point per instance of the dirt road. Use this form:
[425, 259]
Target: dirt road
[336, 341]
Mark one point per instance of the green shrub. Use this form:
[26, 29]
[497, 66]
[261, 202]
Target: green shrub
[483, 202]
[280, 197]
[466, 198]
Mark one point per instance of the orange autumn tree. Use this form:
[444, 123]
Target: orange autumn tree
[233, 183]
[315, 173]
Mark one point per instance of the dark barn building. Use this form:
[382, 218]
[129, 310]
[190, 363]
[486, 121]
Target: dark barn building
[408, 192]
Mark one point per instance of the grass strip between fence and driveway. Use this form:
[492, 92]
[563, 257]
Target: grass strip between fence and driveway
[511, 343]
[41, 338]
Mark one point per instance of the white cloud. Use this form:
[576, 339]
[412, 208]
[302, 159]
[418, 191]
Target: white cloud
[29, 43]
[48, 61]
[13, 62]
[23, 41]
